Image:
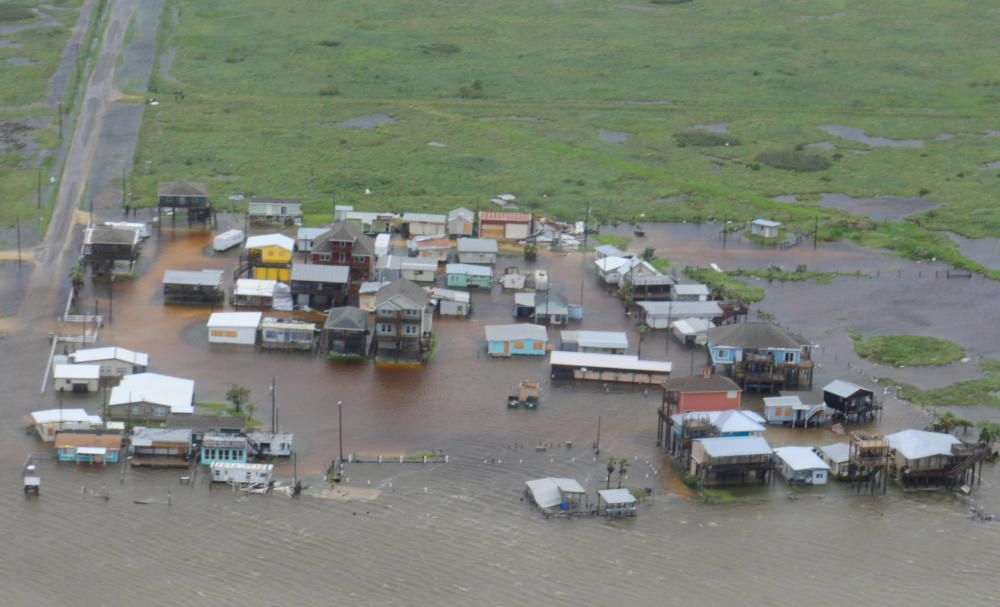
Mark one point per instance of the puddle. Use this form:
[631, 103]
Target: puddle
[944, 137]
[857, 134]
[9, 44]
[514, 118]
[612, 136]
[992, 165]
[877, 207]
[368, 121]
[981, 250]
[437, 144]
[19, 61]
[991, 133]
[718, 127]
[786, 198]
[822, 17]
[167, 60]
[821, 145]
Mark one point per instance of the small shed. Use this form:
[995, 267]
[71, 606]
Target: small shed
[689, 292]
[516, 339]
[418, 270]
[189, 286]
[477, 250]
[254, 293]
[765, 228]
[287, 334]
[838, 457]
[692, 331]
[512, 278]
[450, 302]
[469, 275]
[241, 473]
[424, 224]
[616, 503]
[801, 465]
[555, 494]
[227, 240]
[76, 378]
[48, 422]
[233, 328]
[436, 247]
[608, 342]
[461, 222]
[270, 444]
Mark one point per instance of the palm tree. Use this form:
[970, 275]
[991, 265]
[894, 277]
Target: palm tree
[622, 468]
[611, 469]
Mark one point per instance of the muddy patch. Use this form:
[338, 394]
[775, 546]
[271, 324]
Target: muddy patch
[40, 19]
[672, 199]
[858, 135]
[19, 61]
[368, 121]
[995, 164]
[18, 135]
[9, 44]
[785, 198]
[512, 118]
[167, 60]
[877, 207]
[718, 127]
[612, 136]
[944, 137]
[980, 250]
[837, 15]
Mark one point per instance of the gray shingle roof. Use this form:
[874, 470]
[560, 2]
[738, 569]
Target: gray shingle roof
[700, 383]
[407, 289]
[181, 188]
[312, 272]
[755, 335]
[347, 317]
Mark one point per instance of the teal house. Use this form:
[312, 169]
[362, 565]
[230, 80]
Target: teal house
[469, 275]
[89, 446]
[224, 448]
[516, 340]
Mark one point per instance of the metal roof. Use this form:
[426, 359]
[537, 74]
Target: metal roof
[203, 278]
[691, 289]
[620, 362]
[767, 223]
[757, 335]
[417, 263]
[682, 309]
[241, 320]
[263, 206]
[504, 216]
[597, 339]
[76, 372]
[309, 233]
[842, 388]
[784, 401]
[700, 383]
[477, 245]
[253, 287]
[181, 188]
[837, 452]
[918, 444]
[525, 300]
[89, 355]
[610, 263]
[174, 392]
[347, 317]
[461, 212]
[314, 272]
[609, 250]
[727, 422]
[372, 286]
[145, 437]
[424, 218]
[692, 326]
[616, 496]
[735, 446]
[800, 458]
[468, 269]
[239, 466]
[450, 295]
[51, 416]
[402, 288]
[270, 240]
[516, 332]
[270, 437]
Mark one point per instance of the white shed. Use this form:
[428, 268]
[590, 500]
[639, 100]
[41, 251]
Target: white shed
[233, 328]
[227, 240]
[765, 228]
[241, 474]
[76, 378]
[50, 421]
[801, 465]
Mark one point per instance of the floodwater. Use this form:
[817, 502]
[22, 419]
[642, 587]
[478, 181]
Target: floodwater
[981, 250]
[877, 207]
[368, 121]
[458, 533]
[718, 127]
[612, 136]
[858, 134]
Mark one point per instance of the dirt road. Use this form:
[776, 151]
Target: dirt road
[54, 256]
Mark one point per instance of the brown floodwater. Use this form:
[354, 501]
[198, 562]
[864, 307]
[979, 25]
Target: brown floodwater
[457, 533]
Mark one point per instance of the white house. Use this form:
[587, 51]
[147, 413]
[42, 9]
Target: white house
[689, 292]
[425, 224]
[692, 331]
[461, 222]
[417, 269]
[450, 302]
[76, 378]
[612, 269]
[49, 421]
[304, 238]
[233, 328]
[838, 456]
[801, 465]
[115, 362]
[608, 342]
[151, 396]
[241, 473]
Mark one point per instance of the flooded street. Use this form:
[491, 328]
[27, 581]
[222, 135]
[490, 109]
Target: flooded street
[457, 533]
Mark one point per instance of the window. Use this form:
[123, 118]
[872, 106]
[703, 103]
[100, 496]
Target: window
[789, 357]
[342, 257]
[270, 334]
[518, 345]
[385, 328]
[539, 345]
[323, 256]
[412, 313]
[411, 329]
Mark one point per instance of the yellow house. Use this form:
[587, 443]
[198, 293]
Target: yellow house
[270, 256]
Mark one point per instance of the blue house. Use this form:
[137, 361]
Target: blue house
[224, 448]
[517, 339]
[89, 446]
[469, 275]
[760, 356]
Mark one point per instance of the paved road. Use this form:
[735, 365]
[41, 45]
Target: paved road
[55, 256]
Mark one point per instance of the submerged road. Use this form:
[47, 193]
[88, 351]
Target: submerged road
[54, 256]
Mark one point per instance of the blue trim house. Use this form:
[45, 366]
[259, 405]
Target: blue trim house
[469, 275]
[89, 446]
[760, 356]
[224, 448]
[517, 339]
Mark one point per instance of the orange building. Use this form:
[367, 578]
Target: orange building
[701, 393]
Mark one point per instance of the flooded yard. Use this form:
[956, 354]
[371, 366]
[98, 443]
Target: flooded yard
[877, 207]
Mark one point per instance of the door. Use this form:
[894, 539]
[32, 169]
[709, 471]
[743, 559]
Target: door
[506, 348]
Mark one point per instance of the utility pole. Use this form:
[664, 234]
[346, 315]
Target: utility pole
[111, 296]
[597, 443]
[60, 122]
[19, 240]
[39, 188]
[586, 228]
[340, 429]
[123, 190]
[274, 406]
[816, 233]
[725, 222]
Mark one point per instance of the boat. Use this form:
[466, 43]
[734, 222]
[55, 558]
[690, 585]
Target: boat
[527, 395]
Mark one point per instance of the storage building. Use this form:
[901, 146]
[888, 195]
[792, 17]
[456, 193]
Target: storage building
[234, 328]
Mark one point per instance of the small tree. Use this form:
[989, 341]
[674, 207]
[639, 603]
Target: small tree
[622, 468]
[238, 395]
[989, 433]
[611, 470]
[250, 410]
[648, 254]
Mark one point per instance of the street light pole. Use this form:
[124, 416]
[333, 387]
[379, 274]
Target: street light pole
[340, 429]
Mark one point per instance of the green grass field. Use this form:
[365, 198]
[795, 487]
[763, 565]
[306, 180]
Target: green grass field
[520, 92]
[907, 350]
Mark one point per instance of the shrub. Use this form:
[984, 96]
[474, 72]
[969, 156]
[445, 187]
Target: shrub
[329, 43]
[792, 160]
[12, 12]
[704, 139]
[471, 91]
[329, 91]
